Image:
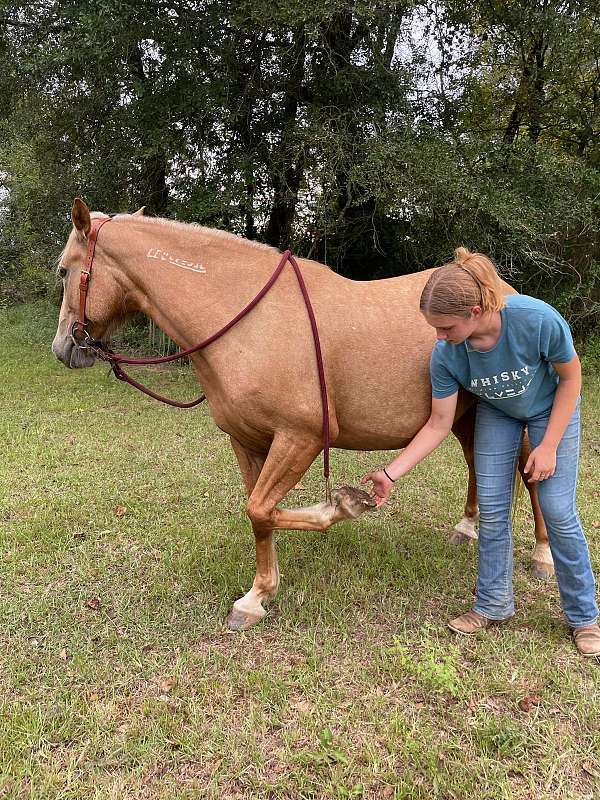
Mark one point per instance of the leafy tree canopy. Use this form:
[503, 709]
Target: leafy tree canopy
[374, 135]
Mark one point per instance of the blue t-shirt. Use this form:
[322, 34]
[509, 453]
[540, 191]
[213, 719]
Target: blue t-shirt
[516, 375]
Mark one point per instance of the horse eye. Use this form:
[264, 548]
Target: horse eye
[62, 272]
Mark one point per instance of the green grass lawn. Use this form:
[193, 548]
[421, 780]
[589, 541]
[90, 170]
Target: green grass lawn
[124, 544]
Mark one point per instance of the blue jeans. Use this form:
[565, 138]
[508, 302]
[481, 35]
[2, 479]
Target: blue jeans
[497, 446]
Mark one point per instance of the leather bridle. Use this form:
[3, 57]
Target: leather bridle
[79, 332]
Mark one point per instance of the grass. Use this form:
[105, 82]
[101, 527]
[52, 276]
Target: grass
[124, 544]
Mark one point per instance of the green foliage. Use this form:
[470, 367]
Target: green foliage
[375, 136]
[590, 358]
[501, 738]
[434, 665]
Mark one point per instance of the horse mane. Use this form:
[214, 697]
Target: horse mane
[215, 232]
[171, 223]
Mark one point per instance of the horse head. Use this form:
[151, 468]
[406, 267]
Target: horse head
[105, 306]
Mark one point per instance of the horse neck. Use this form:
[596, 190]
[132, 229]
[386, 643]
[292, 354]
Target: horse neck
[191, 282]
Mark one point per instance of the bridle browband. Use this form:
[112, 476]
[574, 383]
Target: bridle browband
[81, 337]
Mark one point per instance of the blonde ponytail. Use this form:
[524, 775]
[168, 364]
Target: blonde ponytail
[469, 280]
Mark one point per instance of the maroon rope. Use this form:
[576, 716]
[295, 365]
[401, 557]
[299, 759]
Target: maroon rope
[116, 359]
[123, 376]
[320, 368]
[183, 353]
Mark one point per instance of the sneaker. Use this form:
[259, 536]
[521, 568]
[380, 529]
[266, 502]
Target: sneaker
[471, 623]
[587, 640]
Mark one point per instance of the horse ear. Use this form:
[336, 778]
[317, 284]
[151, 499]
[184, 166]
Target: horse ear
[140, 212]
[80, 216]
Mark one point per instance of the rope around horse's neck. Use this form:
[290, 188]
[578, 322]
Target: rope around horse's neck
[116, 360]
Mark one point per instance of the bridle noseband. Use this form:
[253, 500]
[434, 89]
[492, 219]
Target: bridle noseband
[82, 339]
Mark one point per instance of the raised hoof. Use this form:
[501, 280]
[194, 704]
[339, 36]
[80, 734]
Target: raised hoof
[352, 502]
[542, 571]
[242, 620]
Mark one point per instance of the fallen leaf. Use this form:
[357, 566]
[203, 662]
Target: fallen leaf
[302, 705]
[63, 655]
[167, 685]
[94, 697]
[529, 702]
[596, 523]
[93, 603]
[119, 511]
[299, 486]
[589, 768]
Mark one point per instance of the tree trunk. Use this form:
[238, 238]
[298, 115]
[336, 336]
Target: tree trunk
[529, 95]
[287, 175]
[152, 186]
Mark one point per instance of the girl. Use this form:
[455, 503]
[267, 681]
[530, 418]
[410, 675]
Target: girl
[516, 354]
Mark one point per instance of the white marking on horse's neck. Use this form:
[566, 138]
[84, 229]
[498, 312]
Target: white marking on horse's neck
[185, 308]
[163, 255]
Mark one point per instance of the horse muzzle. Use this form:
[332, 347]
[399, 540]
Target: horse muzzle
[72, 354]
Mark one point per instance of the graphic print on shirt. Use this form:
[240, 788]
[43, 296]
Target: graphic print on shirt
[509, 383]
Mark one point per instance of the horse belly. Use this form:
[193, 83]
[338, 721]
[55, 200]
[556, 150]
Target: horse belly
[383, 409]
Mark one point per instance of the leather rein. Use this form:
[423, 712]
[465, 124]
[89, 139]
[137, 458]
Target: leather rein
[81, 337]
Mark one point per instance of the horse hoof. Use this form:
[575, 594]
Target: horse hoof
[464, 531]
[242, 620]
[542, 571]
[460, 537]
[352, 502]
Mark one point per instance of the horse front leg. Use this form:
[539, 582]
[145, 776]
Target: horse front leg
[288, 459]
[249, 609]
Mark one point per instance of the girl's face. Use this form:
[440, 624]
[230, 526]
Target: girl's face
[453, 329]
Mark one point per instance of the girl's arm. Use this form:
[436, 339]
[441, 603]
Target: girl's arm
[542, 460]
[431, 435]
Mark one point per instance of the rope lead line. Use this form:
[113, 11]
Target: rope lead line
[116, 360]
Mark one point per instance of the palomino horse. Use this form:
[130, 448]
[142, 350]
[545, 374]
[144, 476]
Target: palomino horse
[260, 379]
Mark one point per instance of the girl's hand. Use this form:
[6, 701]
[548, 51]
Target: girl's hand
[541, 463]
[382, 485]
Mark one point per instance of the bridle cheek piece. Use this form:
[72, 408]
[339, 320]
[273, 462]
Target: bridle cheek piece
[81, 336]
[79, 333]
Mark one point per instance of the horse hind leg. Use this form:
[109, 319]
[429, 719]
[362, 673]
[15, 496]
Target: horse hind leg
[542, 564]
[466, 529]
[288, 459]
